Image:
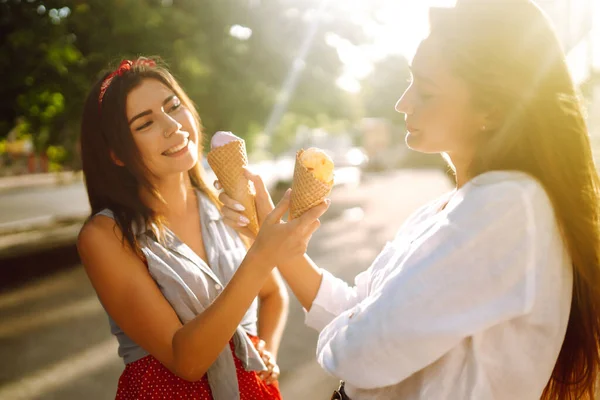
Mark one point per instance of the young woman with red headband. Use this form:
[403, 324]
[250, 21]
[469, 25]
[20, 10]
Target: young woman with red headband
[179, 286]
[493, 290]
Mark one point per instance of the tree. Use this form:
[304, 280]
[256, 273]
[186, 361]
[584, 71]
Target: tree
[53, 51]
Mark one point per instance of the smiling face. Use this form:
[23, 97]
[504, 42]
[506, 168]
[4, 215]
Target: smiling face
[163, 129]
[440, 116]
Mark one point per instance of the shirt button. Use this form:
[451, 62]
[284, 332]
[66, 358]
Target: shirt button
[217, 286]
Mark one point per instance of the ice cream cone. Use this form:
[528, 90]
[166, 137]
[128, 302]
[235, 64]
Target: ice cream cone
[307, 191]
[228, 162]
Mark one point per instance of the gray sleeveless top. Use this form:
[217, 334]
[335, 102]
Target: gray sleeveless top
[190, 285]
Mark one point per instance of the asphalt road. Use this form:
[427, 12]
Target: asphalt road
[54, 336]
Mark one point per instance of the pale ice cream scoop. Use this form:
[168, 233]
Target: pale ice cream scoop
[221, 138]
[319, 163]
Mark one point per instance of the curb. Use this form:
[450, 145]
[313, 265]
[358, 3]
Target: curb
[56, 233]
[34, 180]
[41, 223]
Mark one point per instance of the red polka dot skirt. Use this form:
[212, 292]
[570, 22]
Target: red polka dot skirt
[148, 379]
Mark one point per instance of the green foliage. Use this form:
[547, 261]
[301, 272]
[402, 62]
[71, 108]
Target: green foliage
[53, 51]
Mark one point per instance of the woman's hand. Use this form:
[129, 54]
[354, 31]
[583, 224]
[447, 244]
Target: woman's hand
[279, 241]
[233, 211]
[272, 373]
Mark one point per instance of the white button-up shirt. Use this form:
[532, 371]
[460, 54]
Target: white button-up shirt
[468, 302]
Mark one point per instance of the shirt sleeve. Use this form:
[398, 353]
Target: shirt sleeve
[335, 296]
[472, 271]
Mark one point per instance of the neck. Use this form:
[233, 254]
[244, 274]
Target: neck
[461, 168]
[178, 194]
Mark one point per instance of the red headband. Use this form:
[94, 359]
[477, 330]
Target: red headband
[125, 66]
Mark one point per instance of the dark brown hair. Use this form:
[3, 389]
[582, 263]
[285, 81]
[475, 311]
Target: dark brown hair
[105, 129]
[508, 54]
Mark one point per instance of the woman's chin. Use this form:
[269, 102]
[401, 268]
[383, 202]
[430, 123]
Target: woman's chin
[416, 141]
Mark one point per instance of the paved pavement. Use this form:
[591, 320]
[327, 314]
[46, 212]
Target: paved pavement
[54, 336]
[21, 207]
[8, 183]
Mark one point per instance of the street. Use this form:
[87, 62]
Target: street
[33, 206]
[54, 335]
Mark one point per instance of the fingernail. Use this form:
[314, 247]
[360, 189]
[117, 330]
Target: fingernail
[217, 186]
[287, 193]
[328, 201]
[239, 207]
[243, 220]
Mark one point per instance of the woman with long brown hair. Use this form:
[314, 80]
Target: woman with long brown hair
[179, 286]
[492, 291]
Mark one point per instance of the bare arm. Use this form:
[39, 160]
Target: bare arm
[133, 300]
[272, 312]
[304, 278]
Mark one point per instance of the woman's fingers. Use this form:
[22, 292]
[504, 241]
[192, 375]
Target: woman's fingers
[235, 217]
[273, 376]
[272, 373]
[279, 211]
[230, 203]
[308, 219]
[312, 228]
[259, 185]
[244, 230]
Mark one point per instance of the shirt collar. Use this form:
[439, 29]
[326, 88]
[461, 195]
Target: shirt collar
[207, 208]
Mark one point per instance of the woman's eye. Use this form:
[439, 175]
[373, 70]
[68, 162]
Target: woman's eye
[175, 107]
[147, 124]
[425, 96]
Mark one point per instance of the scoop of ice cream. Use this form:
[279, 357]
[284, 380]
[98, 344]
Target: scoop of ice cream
[222, 138]
[318, 163]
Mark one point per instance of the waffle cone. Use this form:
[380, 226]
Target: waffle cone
[228, 164]
[307, 191]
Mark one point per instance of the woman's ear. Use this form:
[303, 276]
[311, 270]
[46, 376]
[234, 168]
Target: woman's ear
[116, 159]
[490, 120]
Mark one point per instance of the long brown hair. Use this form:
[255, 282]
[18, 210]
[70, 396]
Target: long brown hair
[105, 129]
[508, 54]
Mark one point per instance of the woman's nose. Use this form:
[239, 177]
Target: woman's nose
[171, 125]
[403, 105]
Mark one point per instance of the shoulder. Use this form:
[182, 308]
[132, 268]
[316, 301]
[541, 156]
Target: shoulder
[105, 254]
[97, 229]
[424, 212]
[101, 236]
[500, 191]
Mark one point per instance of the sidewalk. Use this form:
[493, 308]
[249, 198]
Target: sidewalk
[35, 180]
[40, 212]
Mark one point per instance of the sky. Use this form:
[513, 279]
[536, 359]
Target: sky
[398, 28]
[400, 25]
